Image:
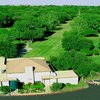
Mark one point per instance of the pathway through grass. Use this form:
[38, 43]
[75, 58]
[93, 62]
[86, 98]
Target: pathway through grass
[50, 47]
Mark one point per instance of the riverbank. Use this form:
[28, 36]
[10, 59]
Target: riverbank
[68, 88]
[91, 93]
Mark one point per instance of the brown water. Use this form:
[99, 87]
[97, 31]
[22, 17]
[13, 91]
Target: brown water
[92, 93]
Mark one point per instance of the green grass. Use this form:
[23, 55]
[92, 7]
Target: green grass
[52, 46]
[89, 78]
[82, 84]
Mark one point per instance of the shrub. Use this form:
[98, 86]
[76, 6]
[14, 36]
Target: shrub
[5, 89]
[26, 87]
[92, 73]
[21, 91]
[30, 88]
[39, 87]
[68, 84]
[56, 87]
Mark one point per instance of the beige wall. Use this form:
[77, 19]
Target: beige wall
[20, 76]
[29, 77]
[38, 75]
[5, 83]
[68, 80]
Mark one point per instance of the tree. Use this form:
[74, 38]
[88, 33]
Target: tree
[7, 49]
[72, 60]
[6, 20]
[75, 41]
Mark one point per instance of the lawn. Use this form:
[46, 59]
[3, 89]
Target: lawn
[81, 85]
[52, 46]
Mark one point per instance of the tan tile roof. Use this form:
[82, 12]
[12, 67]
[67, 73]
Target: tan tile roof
[62, 74]
[18, 65]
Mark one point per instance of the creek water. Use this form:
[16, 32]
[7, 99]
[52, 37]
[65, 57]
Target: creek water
[91, 93]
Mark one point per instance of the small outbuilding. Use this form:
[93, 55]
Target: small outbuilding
[68, 76]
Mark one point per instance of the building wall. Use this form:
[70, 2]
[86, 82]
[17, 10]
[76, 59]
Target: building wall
[38, 75]
[28, 76]
[5, 83]
[19, 76]
[52, 81]
[68, 80]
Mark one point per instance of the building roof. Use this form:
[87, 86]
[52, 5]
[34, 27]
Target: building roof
[66, 74]
[18, 65]
[62, 74]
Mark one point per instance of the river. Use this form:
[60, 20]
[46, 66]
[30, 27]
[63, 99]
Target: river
[91, 93]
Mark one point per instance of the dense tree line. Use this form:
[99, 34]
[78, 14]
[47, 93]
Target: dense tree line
[73, 60]
[77, 46]
[37, 22]
[20, 23]
[84, 25]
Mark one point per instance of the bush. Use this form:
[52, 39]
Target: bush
[5, 89]
[26, 87]
[37, 87]
[68, 84]
[31, 88]
[21, 91]
[56, 87]
[92, 73]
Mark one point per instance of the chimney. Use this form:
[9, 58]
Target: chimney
[5, 62]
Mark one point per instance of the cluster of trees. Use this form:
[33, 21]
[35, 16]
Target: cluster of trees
[21, 23]
[7, 46]
[72, 40]
[84, 25]
[78, 47]
[73, 60]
